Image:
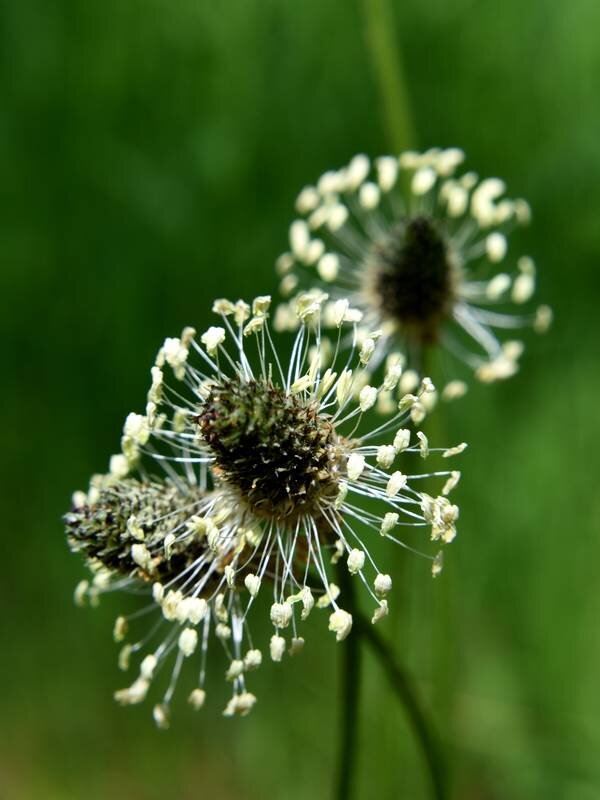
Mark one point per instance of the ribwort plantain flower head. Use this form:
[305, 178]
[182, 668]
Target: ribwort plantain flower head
[420, 251]
[266, 461]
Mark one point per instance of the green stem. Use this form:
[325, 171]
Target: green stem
[388, 71]
[349, 694]
[407, 694]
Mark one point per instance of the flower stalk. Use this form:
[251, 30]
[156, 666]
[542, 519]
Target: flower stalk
[406, 692]
[349, 694]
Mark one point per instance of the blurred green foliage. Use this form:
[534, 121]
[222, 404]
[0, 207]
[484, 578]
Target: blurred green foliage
[151, 152]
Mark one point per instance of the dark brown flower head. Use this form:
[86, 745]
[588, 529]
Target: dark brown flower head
[127, 513]
[274, 448]
[412, 278]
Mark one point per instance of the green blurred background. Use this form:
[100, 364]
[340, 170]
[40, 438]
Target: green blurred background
[150, 153]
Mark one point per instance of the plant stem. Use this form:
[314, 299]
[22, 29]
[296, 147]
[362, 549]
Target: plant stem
[407, 694]
[349, 694]
[387, 66]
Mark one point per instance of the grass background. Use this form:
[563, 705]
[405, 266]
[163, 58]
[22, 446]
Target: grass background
[150, 153]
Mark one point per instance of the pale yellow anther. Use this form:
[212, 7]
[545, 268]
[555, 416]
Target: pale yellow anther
[224, 307]
[369, 196]
[340, 622]
[118, 466]
[277, 647]
[188, 640]
[134, 529]
[281, 614]
[328, 267]
[355, 561]
[307, 200]
[337, 215]
[197, 699]
[382, 585]
[366, 351]
[255, 325]
[423, 444]
[252, 659]
[438, 564]
[261, 304]
[344, 387]
[386, 454]
[341, 495]
[241, 312]
[380, 612]
[451, 483]
[355, 466]
[387, 172]
[340, 307]
[252, 584]
[389, 522]
[356, 171]
[396, 483]
[299, 238]
[235, 669]
[135, 693]
[120, 629]
[496, 246]
[392, 376]
[401, 439]
[409, 381]
[543, 319]
[332, 594]
[407, 401]
[423, 180]
[367, 397]
[302, 384]
[453, 390]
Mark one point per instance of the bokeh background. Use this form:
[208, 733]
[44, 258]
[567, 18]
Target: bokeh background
[150, 154]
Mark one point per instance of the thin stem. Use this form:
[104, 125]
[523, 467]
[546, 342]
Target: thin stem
[387, 66]
[349, 694]
[407, 694]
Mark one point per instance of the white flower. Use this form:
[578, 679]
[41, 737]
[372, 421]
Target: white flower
[418, 257]
[265, 466]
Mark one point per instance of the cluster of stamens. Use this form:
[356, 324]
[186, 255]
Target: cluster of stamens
[263, 469]
[417, 249]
